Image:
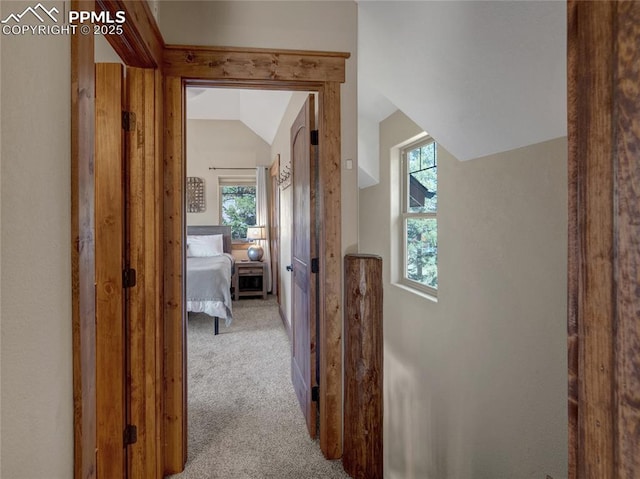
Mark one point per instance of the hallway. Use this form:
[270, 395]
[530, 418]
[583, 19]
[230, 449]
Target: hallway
[244, 419]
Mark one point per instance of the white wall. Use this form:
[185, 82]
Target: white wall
[35, 350]
[309, 25]
[221, 144]
[475, 383]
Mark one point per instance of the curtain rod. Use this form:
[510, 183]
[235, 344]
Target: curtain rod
[218, 168]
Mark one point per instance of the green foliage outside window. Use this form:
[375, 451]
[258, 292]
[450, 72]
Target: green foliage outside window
[238, 209]
[421, 224]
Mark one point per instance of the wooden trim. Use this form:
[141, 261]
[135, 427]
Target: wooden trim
[111, 411]
[141, 44]
[590, 103]
[175, 406]
[253, 64]
[604, 252]
[330, 234]
[260, 76]
[268, 51]
[142, 300]
[83, 250]
[626, 214]
[159, 261]
[83, 210]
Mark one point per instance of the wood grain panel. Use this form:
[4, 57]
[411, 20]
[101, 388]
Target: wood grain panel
[627, 237]
[140, 44]
[573, 255]
[175, 430]
[253, 64]
[144, 385]
[159, 262]
[330, 341]
[109, 221]
[590, 131]
[604, 181]
[83, 250]
[363, 343]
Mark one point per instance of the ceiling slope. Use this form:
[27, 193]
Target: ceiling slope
[481, 77]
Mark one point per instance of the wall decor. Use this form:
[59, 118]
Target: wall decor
[195, 195]
[284, 179]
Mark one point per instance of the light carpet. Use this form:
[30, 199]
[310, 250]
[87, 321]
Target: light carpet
[243, 415]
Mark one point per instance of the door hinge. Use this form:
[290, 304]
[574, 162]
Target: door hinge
[128, 121]
[315, 393]
[315, 265]
[128, 278]
[130, 435]
[315, 141]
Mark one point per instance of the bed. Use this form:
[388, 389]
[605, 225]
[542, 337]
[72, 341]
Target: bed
[209, 272]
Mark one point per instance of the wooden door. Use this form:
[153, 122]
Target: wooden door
[109, 254]
[304, 247]
[128, 185]
[274, 227]
[144, 255]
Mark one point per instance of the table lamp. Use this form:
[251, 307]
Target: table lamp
[255, 233]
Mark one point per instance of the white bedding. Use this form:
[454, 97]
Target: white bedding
[209, 286]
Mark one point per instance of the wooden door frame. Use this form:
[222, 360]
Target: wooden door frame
[140, 45]
[321, 72]
[604, 227]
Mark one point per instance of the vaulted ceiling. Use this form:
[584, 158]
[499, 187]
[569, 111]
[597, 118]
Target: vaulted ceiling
[260, 110]
[481, 77]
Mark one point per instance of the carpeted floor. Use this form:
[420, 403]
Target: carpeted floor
[244, 418]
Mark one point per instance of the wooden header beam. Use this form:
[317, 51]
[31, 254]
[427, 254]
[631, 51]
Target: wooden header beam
[217, 63]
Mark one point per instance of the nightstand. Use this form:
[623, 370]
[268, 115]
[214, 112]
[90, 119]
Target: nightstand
[248, 279]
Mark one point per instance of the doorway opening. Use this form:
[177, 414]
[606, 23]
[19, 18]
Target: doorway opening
[239, 153]
[308, 75]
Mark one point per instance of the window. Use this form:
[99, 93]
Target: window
[419, 205]
[238, 205]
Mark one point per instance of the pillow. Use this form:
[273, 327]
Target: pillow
[204, 245]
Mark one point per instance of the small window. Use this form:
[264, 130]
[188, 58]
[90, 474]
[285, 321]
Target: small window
[419, 205]
[238, 206]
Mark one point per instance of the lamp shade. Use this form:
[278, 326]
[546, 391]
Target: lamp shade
[256, 233]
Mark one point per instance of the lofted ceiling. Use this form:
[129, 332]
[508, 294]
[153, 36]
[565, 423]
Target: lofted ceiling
[481, 77]
[259, 110]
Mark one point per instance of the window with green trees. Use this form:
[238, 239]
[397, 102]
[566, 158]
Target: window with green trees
[238, 207]
[419, 215]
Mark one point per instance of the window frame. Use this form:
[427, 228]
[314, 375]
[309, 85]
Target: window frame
[234, 181]
[405, 215]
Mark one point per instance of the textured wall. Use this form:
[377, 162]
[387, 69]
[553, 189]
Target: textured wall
[219, 143]
[475, 383]
[37, 403]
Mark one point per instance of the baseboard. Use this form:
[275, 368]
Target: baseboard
[287, 327]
